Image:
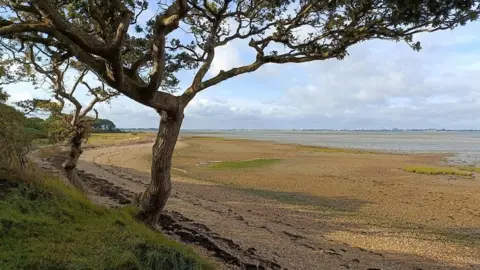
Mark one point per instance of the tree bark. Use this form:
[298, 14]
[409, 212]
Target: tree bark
[156, 195]
[70, 165]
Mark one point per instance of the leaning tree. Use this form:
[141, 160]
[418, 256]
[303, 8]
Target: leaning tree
[140, 58]
[69, 120]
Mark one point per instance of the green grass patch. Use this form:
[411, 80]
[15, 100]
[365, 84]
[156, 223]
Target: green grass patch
[470, 169]
[437, 171]
[224, 165]
[46, 225]
[108, 138]
[97, 139]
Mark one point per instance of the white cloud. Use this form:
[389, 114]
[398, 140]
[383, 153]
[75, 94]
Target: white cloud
[226, 57]
[380, 84]
[20, 95]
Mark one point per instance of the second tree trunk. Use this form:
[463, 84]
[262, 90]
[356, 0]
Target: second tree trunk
[70, 164]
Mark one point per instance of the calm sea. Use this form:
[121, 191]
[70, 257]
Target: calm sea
[465, 145]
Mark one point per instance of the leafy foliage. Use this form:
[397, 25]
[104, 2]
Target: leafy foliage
[104, 125]
[140, 58]
[58, 130]
[14, 142]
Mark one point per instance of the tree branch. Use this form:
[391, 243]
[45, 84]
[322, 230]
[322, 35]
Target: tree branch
[164, 24]
[76, 35]
[77, 82]
[10, 28]
[222, 76]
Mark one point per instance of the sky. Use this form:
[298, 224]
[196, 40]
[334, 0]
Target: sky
[380, 84]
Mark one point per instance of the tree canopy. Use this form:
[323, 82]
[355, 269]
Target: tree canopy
[140, 59]
[104, 125]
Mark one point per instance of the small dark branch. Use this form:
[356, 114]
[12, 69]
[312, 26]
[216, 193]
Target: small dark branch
[38, 68]
[77, 82]
[203, 11]
[238, 35]
[142, 9]
[194, 55]
[90, 89]
[253, 44]
[67, 66]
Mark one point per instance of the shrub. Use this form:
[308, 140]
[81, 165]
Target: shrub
[14, 142]
[437, 171]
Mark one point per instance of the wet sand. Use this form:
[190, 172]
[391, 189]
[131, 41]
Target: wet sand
[316, 208]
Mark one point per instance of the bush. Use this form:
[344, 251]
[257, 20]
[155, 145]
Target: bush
[14, 142]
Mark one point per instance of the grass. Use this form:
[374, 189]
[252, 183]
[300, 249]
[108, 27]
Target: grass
[470, 169]
[46, 225]
[48, 151]
[437, 171]
[41, 142]
[97, 139]
[242, 164]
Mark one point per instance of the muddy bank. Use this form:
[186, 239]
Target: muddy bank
[178, 226]
[259, 229]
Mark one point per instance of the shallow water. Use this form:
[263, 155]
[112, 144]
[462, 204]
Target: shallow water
[465, 145]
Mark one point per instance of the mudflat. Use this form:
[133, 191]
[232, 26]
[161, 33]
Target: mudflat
[301, 207]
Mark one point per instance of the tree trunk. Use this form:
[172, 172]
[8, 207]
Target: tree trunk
[156, 195]
[70, 164]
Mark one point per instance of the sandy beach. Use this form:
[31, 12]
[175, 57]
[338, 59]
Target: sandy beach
[288, 206]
